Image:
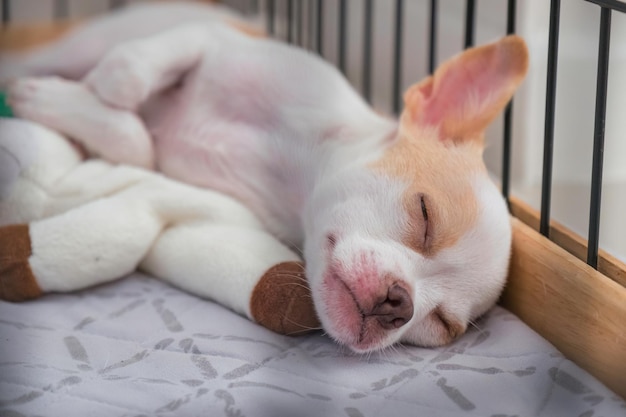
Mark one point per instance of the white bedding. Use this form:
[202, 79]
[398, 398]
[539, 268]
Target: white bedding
[138, 347]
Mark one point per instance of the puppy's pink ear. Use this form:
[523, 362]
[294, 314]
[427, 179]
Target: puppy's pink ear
[468, 91]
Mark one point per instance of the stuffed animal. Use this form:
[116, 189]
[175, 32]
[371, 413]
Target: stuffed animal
[69, 223]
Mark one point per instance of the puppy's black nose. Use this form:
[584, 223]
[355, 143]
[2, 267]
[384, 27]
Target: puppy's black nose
[394, 309]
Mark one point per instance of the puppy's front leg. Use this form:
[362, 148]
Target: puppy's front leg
[243, 268]
[132, 71]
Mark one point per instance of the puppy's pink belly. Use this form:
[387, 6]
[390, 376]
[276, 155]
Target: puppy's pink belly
[228, 161]
[220, 168]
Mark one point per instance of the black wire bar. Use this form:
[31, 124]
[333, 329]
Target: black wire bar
[289, 13]
[367, 51]
[508, 116]
[61, 9]
[397, 57]
[271, 12]
[320, 27]
[6, 11]
[470, 23]
[311, 15]
[432, 38]
[252, 6]
[297, 10]
[301, 26]
[341, 46]
[618, 5]
[598, 137]
[548, 144]
[114, 4]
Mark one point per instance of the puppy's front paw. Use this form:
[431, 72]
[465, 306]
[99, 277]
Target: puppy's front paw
[122, 79]
[281, 300]
[32, 98]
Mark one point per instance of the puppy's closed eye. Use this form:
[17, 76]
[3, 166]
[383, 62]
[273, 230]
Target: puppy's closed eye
[426, 231]
[450, 328]
[419, 235]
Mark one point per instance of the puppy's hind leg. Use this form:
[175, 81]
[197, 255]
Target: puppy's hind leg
[70, 108]
[134, 70]
[74, 54]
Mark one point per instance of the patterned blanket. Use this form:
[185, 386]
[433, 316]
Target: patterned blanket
[138, 347]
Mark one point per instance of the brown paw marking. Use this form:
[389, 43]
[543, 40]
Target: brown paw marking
[281, 300]
[17, 282]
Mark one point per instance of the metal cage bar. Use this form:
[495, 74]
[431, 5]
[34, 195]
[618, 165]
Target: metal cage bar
[271, 13]
[432, 37]
[508, 115]
[252, 6]
[548, 146]
[470, 23]
[6, 11]
[319, 27]
[341, 46]
[367, 51]
[289, 15]
[114, 4]
[311, 27]
[397, 58]
[297, 11]
[301, 17]
[61, 9]
[598, 137]
[618, 5]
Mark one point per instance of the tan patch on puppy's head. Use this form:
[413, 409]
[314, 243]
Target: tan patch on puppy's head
[438, 199]
[438, 150]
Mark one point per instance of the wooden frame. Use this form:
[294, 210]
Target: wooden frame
[578, 309]
[570, 241]
[18, 37]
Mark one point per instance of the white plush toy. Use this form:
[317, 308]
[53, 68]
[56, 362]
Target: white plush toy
[67, 223]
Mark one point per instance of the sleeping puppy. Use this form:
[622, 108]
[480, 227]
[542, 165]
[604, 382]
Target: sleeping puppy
[404, 236]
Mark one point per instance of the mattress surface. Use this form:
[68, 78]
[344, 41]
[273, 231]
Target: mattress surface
[138, 347]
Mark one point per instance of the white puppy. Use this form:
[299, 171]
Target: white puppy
[404, 235]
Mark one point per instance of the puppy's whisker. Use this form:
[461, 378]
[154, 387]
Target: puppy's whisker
[476, 326]
[304, 328]
[303, 285]
[294, 247]
[306, 295]
[288, 275]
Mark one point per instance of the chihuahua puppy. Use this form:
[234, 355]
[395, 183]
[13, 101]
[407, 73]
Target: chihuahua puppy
[404, 236]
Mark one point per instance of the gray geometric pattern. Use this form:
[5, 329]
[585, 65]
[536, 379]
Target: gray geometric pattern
[138, 347]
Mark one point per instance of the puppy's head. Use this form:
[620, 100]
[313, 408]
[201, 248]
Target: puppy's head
[416, 244]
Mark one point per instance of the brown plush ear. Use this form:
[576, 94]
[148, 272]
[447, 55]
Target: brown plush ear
[468, 91]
